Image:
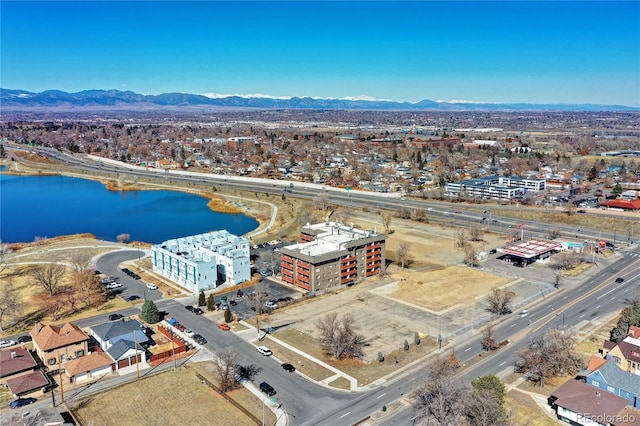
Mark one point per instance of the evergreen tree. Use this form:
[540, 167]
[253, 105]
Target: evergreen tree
[202, 299]
[617, 189]
[228, 316]
[150, 312]
[211, 304]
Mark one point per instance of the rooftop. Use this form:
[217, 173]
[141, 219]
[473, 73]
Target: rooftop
[531, 248]
[48, 337]
[580, 397]
[205, 247]
[16, 360]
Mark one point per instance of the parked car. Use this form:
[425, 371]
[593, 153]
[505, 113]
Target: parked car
[264, 350]
[223, 298]
[270, 304]
[224, 326]
[7, 343]
[198, 311]
[115, 317]
[288, 367]
[233, 303]
[619, 280]
[189, 308]
[113, 285]
[188, 332]
[131, 298]
[493, 251]
[240, 293]
[151, 286]
[20, 402]
[199, 339]
[267, 388]
[24, 339]
[47, 388]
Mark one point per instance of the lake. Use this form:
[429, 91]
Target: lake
[47, 206]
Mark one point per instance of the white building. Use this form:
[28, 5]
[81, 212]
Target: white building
[204, 261]
[495, 187]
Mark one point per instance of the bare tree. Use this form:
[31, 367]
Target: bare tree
[442, 397]
[567, 259]
[123, 238]
[499, 301]
[80, 261]
[258, 297]
[53, 306]
[5, 252]
[570, 209]
[342, 215]
[548, 355]
[553, 233]
[386, 221]
[461, 238]
[225, 364]
[48, 276]
[488, 339]
[476, 234]
[307, 216]
[90, 291]
[403, 253]
[10, 303]
[271, 260]
[470, 256]
[557, 280]
[339, 337]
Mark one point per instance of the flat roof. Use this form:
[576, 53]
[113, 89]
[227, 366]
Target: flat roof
[531, 248]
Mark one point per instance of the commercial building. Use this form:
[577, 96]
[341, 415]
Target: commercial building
[204, 261]
[331, 254]
[495, 187]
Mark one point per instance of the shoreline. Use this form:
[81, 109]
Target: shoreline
[218, 203]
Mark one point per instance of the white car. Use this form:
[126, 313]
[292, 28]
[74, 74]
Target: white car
[152, 286]
[264, 350]
[524, 314]
[188, 332]
[7, 343]
[114, 285]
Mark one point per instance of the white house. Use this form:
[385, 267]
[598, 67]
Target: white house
[204, 261]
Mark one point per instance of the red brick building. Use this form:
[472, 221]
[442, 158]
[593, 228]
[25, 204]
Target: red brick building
[331, 255]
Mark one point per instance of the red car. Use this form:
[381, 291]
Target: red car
[223, 326]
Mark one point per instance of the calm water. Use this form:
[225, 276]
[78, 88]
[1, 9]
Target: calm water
[48, 206]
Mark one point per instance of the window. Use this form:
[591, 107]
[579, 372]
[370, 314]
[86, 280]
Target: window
[51, 361]
[611, 389]
[595, 383]
[80, 353]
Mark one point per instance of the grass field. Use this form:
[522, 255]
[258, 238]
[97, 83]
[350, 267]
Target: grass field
[172, 397]
[523, 411]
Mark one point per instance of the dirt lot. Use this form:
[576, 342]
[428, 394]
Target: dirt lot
[172, 398]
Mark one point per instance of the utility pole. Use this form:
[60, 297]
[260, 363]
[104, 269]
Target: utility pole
[173, 348]
[60, 378]
[135, 345]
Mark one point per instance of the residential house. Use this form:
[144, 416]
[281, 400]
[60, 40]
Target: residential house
[625, 353]
[614, 380]
[56, 345]
[23, 384]
[16, 361]
[121, 341]
[577, 403]
[94, 365]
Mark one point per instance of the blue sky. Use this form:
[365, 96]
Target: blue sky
[542, 52]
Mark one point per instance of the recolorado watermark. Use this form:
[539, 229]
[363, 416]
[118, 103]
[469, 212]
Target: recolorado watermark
[608, 418]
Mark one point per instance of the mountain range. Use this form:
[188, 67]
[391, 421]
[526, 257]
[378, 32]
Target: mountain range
[20, 100]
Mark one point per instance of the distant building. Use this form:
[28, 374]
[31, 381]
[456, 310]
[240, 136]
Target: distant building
[204, 261]
[238, 142]
[495, 187]
[330, 255]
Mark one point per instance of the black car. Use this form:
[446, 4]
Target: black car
[198, 311]
[233, 303]
[132, 298]
[267, 388]
[619, 280]
[115, 317]
[239, 293]
[189, 308]
[199, 339]
[20, 402]
[24, 339]
[288, 367]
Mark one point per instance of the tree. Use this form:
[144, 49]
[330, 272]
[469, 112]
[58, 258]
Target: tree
[553, 233]
[570, 209]
[10, 302]
[548, 355]
[403, 253]
[628, 317]
[470, 256]
[48, 276]
[386, 221]
[150, 312]
[258, 297]
[567, 259]
[225, 364]
[461, 238]
[123, 238]
[499, 301]
[485, 405]
[228, 316]
[211, 303]
[202, 300]
[80, 261]
[476, 234]
[557, 280]
[488, 339]
[88, 287]
[617, 189]
[339, 337]
[5, 252]
[443, 396]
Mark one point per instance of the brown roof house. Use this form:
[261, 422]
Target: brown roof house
[94, 365]
[20, 373]
[55, 344]
[578, 403]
